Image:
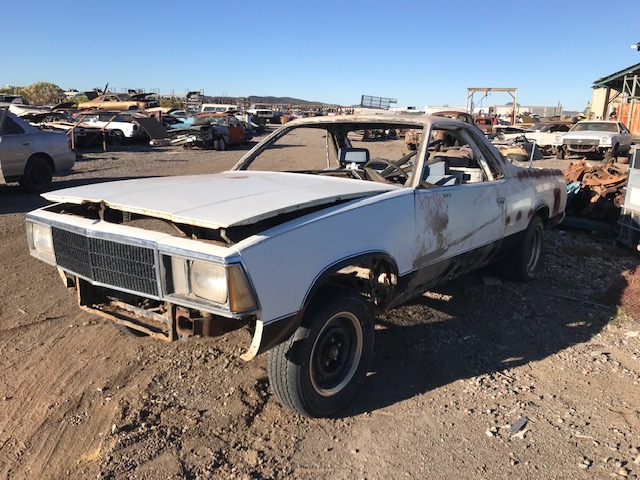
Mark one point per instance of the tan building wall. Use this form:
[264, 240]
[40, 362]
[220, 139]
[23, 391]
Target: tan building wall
[598, 102]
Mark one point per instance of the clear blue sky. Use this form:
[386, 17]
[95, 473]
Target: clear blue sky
[419, 52]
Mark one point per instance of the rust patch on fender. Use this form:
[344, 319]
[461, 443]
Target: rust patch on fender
[530, 214]
[518, 216]
[539, 173]
[508, 220]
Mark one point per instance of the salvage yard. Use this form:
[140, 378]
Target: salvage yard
[481, 378]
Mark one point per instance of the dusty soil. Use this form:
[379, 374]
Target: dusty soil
[454, 374]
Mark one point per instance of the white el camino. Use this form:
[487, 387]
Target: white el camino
[311, 234]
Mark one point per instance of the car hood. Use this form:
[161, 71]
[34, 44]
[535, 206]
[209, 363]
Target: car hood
[588, 135]
[220, 200]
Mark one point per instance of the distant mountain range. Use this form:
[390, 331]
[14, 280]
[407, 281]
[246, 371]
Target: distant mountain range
[259, 99]
[281, 100]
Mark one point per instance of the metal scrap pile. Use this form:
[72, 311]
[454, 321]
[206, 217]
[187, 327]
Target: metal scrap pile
[595, 192]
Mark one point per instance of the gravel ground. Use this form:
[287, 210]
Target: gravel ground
[480, 378]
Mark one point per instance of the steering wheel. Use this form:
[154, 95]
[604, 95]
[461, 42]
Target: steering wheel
[391, 171]
[437, 144]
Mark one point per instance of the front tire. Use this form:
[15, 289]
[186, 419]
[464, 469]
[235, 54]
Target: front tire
[560, 153]
[319, 369]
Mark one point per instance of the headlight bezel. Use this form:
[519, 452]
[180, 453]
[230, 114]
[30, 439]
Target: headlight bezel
[234, 292]
[605, 140]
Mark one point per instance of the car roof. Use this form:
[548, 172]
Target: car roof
[372, 119]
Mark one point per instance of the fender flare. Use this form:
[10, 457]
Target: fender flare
[267, 336]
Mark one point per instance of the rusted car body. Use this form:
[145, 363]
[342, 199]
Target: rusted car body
[303, 256]
[211, 131]
[120, 101]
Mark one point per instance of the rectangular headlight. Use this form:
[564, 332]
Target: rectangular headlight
[41, 241]
[226, 285]
[208, 281]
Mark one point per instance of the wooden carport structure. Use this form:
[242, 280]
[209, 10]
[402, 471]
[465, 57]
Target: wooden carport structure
[622, 96]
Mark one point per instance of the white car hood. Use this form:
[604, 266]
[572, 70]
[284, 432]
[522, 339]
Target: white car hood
[220, 200]
[587, 135]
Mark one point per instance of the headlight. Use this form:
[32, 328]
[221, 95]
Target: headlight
[605, 140]
[226, 285]
[41, 241]
[208, 281]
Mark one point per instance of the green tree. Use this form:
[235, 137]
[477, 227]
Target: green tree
[170, 103]
[43, 93]
[10, 90]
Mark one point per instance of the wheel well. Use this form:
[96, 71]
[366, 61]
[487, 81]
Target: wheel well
[46, 157]
[542, 212]
[372, 276]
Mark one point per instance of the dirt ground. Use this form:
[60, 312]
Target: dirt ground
[483, 378]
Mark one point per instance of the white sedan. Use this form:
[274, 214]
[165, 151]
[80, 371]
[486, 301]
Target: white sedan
[601, 138]
[30, 155]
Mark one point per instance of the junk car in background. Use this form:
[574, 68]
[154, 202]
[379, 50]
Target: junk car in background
[211, 131]
[30, 155]
[602, 138]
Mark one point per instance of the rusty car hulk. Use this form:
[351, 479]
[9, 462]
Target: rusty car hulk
[304, 259]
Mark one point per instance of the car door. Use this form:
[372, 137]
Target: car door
[15, 146]
[460, 218]
[236, 133]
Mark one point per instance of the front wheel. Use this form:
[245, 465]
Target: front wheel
[612, 153]
[320, 368]
[560, 153]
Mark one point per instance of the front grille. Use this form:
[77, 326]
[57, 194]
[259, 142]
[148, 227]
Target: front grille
[583, 146]
[122, 266]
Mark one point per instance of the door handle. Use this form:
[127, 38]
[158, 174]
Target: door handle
[500, 200]
[25, 143]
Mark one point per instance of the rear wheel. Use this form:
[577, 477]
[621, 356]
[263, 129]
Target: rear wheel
[320, 368]
[560, 153]
[117, 137]
[221, 145]
[523, 262]
[37, 175]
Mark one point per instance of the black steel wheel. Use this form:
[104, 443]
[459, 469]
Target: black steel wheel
[320, 368]
[37, 175]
